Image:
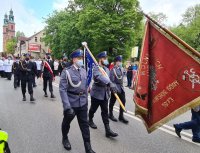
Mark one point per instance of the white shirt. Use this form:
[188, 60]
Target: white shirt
[39, 65]
[56, 64]
[1, 65]
[8, 65]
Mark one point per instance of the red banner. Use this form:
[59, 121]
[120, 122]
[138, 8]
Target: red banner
[168, 82]
[34, 48]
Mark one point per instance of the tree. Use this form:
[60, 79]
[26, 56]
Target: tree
[10, 46]
[189, 29]
[159, 17]
[19, 34]
[111, 25]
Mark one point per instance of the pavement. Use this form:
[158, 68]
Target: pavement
[36, 127]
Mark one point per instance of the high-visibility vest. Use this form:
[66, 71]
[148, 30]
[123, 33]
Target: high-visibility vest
[3, 139]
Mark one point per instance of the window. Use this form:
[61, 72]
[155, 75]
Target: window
[35, 39]
[11, 27]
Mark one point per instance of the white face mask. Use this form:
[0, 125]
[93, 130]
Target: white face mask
[79, 63]
[105, 62]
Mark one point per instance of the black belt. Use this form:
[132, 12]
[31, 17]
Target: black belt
[75, 93]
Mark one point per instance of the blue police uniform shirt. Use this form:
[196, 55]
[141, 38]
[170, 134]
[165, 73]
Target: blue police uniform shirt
[72, 82]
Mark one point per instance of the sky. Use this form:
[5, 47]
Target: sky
[30, 14]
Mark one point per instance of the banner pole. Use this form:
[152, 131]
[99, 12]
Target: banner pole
[173, 35]
[104, 73]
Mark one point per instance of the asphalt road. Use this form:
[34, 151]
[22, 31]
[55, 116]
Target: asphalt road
[36, 128]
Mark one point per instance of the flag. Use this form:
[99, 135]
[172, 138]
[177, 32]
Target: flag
[168, 79]
[89, 66]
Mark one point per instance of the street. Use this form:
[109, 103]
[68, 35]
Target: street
[36, 127]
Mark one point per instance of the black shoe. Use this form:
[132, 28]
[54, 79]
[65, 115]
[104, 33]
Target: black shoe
[197, 140]
[88, 148]
[52, 95]
[111, 116]
[45, 94]
[123, 120]
[109, 132]
[24, 98]
[66, 144]
[34, 85]
[177, 130]
[31, 98]
[92, 125]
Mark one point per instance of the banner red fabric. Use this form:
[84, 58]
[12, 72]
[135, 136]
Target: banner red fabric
[168, 81]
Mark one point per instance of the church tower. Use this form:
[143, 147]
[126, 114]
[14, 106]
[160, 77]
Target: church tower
[8, 28]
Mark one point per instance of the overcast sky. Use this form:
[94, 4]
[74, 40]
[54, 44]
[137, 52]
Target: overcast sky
[29, 14]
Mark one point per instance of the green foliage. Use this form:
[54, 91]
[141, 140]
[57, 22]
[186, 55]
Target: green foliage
[10, 46]
[189, 29]
[111, 25]
[19, 34]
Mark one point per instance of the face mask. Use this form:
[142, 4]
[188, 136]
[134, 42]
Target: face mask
[79, 63]
[105, 62]
[120, 65]
[9, 58]
[17, 61]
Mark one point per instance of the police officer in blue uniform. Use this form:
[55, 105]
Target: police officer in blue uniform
[194, 124]
[100, 93]
[27, 73]
[47, 76]
[116, 76]
[73, 92]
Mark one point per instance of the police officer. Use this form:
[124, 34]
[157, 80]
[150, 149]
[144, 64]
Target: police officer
[73, 92]
[48, 76]
[27, 73]
[194, 124]
[100, 93]
[116, 76]
[16, 72]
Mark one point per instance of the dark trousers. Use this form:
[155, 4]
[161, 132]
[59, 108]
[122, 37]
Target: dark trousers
[55, 72]
[34, 83]
[8, 75]
[30, 86]
[16, 81]
[1, 73]
[113, 100]
[95, 103]
[129, 80]
[45, 80]
[194, 124]
[81, 114]
[38, 73]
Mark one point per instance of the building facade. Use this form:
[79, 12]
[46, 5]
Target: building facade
[33, 45]
[8, 28]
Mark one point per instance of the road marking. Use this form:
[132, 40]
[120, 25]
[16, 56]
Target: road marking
[165, 128]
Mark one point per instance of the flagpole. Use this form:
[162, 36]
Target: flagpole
[172, 35]
[104, 73]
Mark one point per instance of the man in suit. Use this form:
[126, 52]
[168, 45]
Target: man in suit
[117, 76]
[48, 76]
[73, 92]
[100, 93]
[27, 73]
